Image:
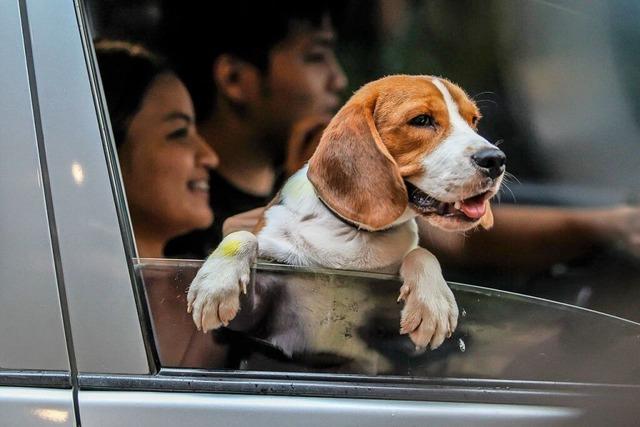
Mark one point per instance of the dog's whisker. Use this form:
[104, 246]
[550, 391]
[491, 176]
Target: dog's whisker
[486, 92]
[504, 188]
[489, 101]
[511, 176]
[507, 180]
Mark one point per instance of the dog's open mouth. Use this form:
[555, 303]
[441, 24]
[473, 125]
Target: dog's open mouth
[470, 209]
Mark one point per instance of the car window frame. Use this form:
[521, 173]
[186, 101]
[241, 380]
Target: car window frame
[29, 271]
[104, 325]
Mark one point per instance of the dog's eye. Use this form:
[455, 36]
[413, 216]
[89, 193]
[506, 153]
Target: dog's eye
[423, 120]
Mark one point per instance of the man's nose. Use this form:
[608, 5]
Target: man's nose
[490, 161]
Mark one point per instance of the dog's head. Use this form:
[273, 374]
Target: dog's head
[408, 144]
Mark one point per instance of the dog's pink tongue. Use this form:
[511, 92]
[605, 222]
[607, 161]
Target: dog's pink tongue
[474, 207]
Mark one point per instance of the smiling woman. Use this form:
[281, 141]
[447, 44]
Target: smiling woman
[164, 161]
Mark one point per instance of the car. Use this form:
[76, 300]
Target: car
[82, 342]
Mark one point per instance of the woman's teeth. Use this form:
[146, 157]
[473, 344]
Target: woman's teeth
[200, 185]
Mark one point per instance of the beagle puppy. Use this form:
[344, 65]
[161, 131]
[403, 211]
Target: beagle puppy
[401, 147]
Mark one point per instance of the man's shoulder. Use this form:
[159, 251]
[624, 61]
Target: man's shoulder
[227, 199]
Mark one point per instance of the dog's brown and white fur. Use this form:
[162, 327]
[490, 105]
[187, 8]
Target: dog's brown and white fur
[402, 146]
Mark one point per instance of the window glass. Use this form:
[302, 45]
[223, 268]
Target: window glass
[555, 85]
[334, 321]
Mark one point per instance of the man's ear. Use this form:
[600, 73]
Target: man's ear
[236, 80]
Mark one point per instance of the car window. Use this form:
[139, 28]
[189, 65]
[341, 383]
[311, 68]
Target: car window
[334, 321]
[540, 109]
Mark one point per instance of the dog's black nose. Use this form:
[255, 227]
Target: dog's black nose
[491, 161]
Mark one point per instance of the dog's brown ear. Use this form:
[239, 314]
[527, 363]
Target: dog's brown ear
[353, 172]
[486, 221]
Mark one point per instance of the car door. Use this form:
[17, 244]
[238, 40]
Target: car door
[35, 370]
[118, 372]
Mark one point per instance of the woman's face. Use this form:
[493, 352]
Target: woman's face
[165, 163]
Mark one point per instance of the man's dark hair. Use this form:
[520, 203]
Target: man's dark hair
[195, 34]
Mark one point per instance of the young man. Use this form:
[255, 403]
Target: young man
[262, 75]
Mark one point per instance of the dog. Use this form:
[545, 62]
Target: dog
[401, 147]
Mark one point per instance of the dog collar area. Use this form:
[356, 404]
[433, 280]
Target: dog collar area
[347, 222]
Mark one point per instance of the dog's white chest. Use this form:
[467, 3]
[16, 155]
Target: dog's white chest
[318, 238]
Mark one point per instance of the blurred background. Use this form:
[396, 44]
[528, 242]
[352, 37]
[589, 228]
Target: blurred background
[558, 83]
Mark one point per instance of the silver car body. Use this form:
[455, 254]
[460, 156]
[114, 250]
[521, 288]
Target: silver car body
[75, 346]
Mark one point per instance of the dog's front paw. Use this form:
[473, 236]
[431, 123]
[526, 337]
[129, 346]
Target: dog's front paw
[430, 312]
[214, 295]
[429, 315]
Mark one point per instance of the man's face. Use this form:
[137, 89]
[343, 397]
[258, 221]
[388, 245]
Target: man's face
[304, 79]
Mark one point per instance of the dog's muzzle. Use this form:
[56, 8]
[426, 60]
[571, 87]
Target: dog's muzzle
[469, 209]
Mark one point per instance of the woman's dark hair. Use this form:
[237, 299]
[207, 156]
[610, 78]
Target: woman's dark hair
[127, 71]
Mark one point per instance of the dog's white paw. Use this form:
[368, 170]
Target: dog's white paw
[214, 295]
[430, 312]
